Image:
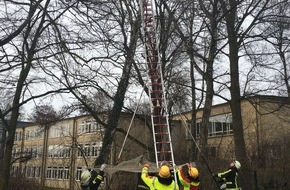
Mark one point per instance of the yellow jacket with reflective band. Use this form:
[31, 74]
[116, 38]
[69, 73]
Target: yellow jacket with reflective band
[153, 183]
[184, 181]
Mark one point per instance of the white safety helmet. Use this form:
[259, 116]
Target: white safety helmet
[237, 164]
[85, 177]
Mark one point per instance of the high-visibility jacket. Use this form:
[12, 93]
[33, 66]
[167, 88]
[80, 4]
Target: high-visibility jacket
[186, 182]
[158, 183]
[230, 176]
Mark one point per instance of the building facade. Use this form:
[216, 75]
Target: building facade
[55, 154]
[266, 130]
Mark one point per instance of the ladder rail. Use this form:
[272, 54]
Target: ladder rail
[150, 46]
[159, 112]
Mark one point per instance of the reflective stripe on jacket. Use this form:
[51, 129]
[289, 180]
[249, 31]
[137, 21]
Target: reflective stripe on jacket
[231, 178]
[153, 182]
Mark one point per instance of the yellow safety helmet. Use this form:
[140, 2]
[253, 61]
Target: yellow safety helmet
[193, 172]
[164, 171]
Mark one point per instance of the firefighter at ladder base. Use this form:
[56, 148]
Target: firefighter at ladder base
[187, 177]
[230, 176]
[91, 180]
[162, 181]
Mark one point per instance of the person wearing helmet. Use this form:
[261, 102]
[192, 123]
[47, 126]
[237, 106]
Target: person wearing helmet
[230, 176]
[162, 181]
[187, 177]
[91, 180]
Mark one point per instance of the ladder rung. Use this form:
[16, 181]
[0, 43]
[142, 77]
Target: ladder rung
[163, 142]
[156, 83]
[164, 133]
[146, 3]
[157, 107]
[149, 33]
[154, 77]
[156, 91]
[160, 124]
[148, 9]
[164, 152]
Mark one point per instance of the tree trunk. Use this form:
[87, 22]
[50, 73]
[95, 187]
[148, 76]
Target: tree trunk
[240, 147]
[119, 97]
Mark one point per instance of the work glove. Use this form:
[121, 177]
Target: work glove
[146, 165]
[103, 166]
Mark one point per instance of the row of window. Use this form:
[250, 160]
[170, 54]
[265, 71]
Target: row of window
[28, 171]
[61, 173]
[35, 152]
[60, 151]
[218, 126]
[60, 130]
[89, 149]
[57, 173]
[90, 127]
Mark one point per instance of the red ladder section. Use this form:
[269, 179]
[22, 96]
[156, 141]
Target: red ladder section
[159, 116]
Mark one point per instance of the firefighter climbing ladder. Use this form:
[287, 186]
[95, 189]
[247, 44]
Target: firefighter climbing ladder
[159, 114]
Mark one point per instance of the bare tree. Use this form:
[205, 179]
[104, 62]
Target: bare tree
[22, 49]
[275, 32]
[236, 34]
[109, 32]
[43, 114]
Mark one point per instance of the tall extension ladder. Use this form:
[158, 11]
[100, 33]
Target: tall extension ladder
[159, 114]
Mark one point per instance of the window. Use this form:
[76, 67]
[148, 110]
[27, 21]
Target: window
[57, 172]
[18, 135]
[79, 171]
[96, 147]
[67, 152]
[48, 173]
[66, 173]
[89, 149]
[218, 125]
[37, 172]
[187, 133]
[60, 130]
[90, 127]
[219, 128]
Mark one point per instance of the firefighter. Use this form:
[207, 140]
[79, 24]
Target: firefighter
[188, 177]
[163, 180]
[230, 176]
[91, 180]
